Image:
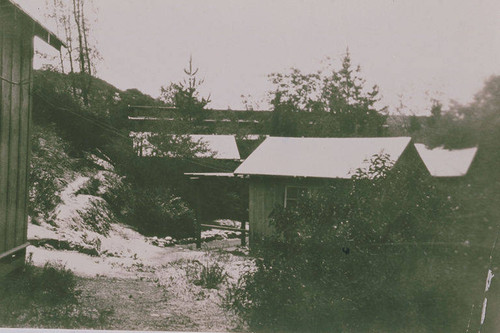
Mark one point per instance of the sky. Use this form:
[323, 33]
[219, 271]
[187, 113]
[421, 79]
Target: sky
[413, 50]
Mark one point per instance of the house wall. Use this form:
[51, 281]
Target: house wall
[265, 194]
[16, 54]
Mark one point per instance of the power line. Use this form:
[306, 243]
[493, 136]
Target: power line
[20, 83]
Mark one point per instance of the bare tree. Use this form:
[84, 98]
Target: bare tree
[72, 23]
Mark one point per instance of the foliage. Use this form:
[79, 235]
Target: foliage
[48, 164]
[85, 128]
[178, 146]
[97, 217]
[359, 257]
[161, 213]
[72, 22]
[185, 95]
[45, 297]
[91, 187]
[208, 275]
[340, 93]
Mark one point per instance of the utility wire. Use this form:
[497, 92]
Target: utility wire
[20, 83]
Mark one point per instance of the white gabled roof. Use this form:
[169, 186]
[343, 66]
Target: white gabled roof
[318, 157]
[223, 146]
[446, 163]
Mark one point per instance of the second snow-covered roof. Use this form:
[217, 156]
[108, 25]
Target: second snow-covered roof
[318, 157]
[446, 163]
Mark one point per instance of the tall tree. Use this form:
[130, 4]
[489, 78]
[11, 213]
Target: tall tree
[341, 93]
[185, 94]
[81, 55]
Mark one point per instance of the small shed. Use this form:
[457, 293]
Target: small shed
[280, 169]
[17, 30]
[446, 163]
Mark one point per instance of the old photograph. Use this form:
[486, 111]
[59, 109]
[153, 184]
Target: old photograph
[250, 166]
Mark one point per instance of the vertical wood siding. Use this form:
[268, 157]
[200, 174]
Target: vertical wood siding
[16, 54]
[263, 198]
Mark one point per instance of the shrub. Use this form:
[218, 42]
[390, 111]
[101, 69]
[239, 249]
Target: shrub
[91, 187]
[97, 217]
[356, 259]
[159, 212]
[49, 162]
[45, 297]
[209, 275]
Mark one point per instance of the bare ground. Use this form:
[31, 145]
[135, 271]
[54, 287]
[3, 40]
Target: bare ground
[135, 304]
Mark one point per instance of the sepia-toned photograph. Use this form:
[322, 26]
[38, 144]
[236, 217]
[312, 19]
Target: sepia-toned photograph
[250, 166]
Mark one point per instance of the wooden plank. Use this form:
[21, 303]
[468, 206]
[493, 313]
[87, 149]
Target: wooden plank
[221, 227]
[6, 70]
[2, 130]
[251, 205]
[29, 100]
[24, 142]
[13, 250]
[15, 108]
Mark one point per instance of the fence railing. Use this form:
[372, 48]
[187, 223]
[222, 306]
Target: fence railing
[201, 226]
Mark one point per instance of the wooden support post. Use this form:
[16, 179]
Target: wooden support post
[198, 234]
[243, 234]
[198, 217]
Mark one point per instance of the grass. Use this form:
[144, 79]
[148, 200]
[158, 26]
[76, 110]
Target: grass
[209, 275]
[45, 297]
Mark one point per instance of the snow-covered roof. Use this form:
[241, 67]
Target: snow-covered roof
[222, 146]
[318, 157]
[446, 163]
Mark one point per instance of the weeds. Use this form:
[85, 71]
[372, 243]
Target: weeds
[91, 187]
[97, 217]
[45, 297]
[209, 275]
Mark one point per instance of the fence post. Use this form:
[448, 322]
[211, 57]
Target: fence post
[197, 220]
[243, 234]
[198, 233]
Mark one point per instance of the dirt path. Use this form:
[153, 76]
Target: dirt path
[156, 292]
[136, 304]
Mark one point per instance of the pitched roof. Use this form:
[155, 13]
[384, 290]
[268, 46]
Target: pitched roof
[223, 146]
[446, 163]
[318, 157]
[38, 29]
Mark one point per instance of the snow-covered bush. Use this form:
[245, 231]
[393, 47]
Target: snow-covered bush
[49, 163]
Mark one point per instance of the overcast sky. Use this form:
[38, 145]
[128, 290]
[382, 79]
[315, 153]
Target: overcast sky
[417, 49]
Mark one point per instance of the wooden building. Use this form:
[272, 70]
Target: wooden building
[280, 169]
[17, 31]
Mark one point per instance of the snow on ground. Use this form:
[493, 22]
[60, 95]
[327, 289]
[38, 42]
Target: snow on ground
[122, 252]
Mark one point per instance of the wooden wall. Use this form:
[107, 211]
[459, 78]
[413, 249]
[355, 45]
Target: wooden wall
[267, 192]
[264, 195]
[16, 55]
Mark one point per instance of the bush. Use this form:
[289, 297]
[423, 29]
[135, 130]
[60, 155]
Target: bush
[159, 212]
[45, 297]
[91, 187]
[97, 217]
[49, 162]
[209, 275]
[357, 259]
